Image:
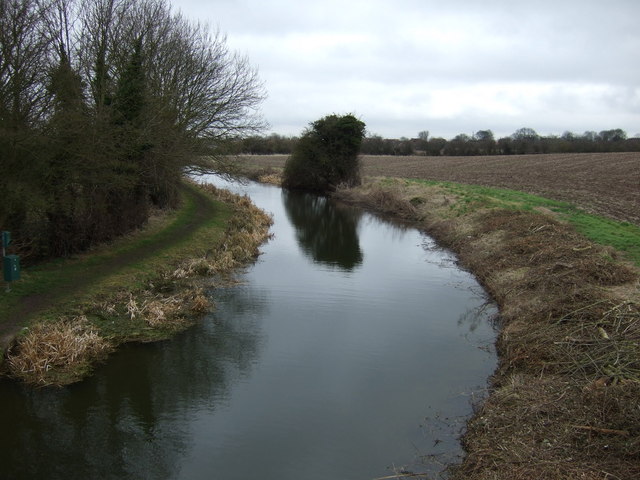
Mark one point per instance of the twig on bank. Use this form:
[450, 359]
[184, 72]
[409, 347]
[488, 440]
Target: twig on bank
[402, 475]
[606, 431]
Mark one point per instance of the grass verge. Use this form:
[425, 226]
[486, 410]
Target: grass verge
[565, 400]
[622, 236]
[143, 288]
[95, 269]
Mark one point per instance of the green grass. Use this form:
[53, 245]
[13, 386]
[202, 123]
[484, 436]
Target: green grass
[622, 236]
[62, 275]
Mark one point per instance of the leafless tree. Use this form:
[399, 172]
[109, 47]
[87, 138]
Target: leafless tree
[24, 47]
[104, 104]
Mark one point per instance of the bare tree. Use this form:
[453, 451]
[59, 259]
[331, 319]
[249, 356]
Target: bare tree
[24, 47]
[104, 104]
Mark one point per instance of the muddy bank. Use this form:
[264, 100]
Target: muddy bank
[565, 400]
[64, 349]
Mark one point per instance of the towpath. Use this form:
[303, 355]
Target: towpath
[199, 209]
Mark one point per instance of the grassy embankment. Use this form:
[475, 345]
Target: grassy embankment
[565, 400]
[622, 236]
[144, 287]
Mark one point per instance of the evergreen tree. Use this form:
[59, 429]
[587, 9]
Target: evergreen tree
[326, 155]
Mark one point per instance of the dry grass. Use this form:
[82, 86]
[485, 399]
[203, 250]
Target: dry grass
[565, 400]
[160, 310]
[271, 178]
[49, 348]
[247, 230]
[541, 427]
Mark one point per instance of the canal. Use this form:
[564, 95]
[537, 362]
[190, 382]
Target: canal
[352, 348]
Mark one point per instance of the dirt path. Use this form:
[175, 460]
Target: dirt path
[34, 304]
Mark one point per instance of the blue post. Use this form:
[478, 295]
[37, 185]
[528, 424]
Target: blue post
[10, 263]
[6, 240]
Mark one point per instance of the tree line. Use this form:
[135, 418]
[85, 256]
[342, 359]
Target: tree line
[104, 105]
[482, 142]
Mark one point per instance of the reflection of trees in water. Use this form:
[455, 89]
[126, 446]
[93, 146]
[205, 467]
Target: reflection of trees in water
[473, 317]
[326, 232]
[128, 421]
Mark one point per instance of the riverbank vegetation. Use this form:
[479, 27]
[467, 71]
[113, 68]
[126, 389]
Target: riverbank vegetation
[144, 298]
[565, 400]
[103, 107]
[622, 236]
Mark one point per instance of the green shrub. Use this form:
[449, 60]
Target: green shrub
[326, 155]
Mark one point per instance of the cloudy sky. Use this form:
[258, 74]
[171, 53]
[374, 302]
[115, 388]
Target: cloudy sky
[446, 66]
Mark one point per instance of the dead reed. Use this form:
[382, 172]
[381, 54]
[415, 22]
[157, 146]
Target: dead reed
[49, 348]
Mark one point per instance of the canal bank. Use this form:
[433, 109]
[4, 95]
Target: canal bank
[64, 317]
[565, 399]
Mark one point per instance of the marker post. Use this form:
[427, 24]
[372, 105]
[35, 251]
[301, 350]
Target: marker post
[10, 263]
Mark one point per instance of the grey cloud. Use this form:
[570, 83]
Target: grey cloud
[553, 65]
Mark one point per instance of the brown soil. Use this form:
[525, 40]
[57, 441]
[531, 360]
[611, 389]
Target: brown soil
[603, 183]
[31, 305]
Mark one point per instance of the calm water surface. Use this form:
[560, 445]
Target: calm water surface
[352, 347]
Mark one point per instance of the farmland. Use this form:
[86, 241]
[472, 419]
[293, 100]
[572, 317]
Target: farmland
[605, 184]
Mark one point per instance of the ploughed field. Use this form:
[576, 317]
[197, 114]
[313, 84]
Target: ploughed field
[606, 184]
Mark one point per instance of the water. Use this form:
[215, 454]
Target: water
[352, 347]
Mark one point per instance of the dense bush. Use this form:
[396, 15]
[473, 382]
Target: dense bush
[326, 155]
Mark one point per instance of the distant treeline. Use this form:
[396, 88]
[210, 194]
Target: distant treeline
[483, 142]
[103, 105]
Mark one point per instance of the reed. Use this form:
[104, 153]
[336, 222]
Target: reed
[49, 348]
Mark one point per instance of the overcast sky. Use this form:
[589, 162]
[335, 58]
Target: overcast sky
[446, 66]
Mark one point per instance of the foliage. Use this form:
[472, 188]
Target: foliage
[483, 142]
[269, 145]
[326, 155]
[103, 106]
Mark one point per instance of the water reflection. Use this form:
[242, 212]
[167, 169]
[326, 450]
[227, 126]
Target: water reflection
[131, 421]
[326, 232]
[479, 316]
[302, 371]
